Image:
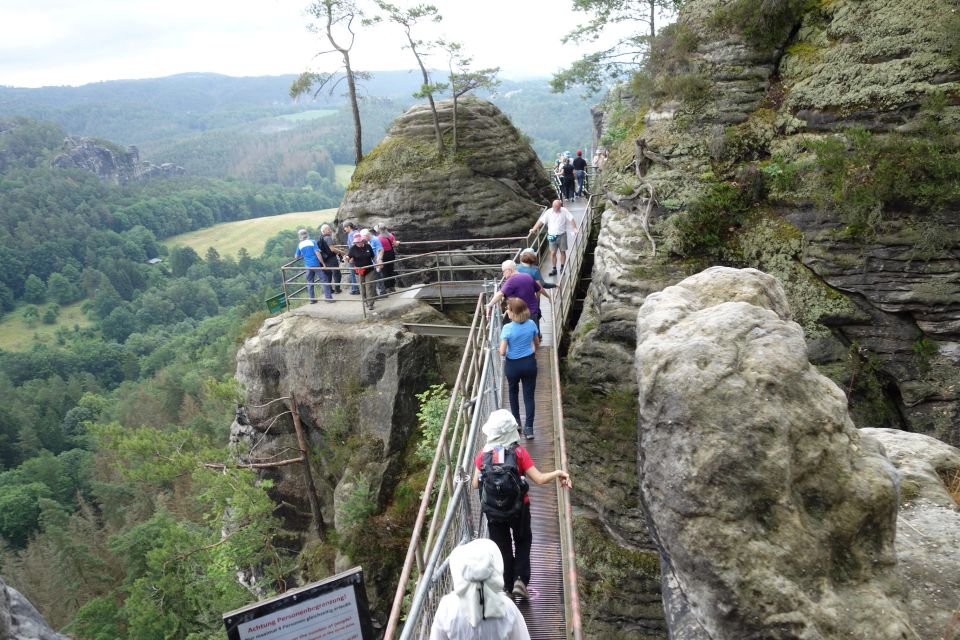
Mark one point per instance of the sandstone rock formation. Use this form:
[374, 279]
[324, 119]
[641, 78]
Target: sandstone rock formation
[494, 186]
[110, 162]
[19, 620]
[772, 517]
[355, 386]
[928, 527]
[878, 298]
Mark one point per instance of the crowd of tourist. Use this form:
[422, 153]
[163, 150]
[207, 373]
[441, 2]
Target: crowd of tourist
[369, 258]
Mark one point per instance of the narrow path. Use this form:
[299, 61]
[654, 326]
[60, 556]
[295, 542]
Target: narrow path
[544, 611]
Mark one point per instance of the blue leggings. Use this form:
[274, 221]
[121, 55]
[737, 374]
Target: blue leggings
[522, 370]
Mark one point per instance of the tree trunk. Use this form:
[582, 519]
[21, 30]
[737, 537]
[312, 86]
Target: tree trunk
[454, 121]
[355, 107]
[307, 473]
[433, 105]
[653, 19]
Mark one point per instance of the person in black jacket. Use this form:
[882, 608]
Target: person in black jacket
[361, 257]
[330, 261]
[580, 169]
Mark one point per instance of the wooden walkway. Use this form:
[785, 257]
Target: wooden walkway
[544, 611]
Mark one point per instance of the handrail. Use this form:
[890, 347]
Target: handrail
[567, 287]
[475, 394]
[293, 270]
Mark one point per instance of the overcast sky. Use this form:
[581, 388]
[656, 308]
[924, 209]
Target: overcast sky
[71, 42]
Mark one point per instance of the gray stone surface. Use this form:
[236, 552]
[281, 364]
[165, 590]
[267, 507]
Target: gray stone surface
[110, 162]
[773, 519]
[493, 187]
[355, 383]
[864, 63]
[928, 527]
[19, 620]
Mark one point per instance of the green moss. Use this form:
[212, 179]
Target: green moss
[398, 157]
[773, 245]
[861, 174]
[613, 414]
[763, 23]
[605, 569]
[709, 222]
[805, 51]
[861, 377]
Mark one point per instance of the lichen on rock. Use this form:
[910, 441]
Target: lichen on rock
[772, 519]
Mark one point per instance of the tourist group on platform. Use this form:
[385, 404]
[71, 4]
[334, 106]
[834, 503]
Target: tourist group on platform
[369, 257]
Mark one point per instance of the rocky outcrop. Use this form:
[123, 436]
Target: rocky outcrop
[773, 518]
[355, 385]
[493, 186]
[19, 620]
[928, 526]
[879, 297]
[110, 162]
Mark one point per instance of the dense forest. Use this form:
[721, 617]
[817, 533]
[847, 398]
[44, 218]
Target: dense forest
[104, 431]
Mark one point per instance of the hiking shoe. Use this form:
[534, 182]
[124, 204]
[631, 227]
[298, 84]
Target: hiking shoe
[330, 300]
[354, 293]
[520, 589]
[528, 436]
[553, 272]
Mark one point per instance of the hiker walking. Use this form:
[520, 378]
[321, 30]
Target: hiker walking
[502, 468]
[477, 608]
[519, 340]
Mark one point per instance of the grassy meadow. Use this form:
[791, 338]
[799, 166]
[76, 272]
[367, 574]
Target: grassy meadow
[343, 174]
[17, 335]
[229, 237]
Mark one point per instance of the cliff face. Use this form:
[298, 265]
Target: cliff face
[19, 620]
[780, 136]
[493, 186]
[355, 386]
[820, 145]
[110, 162]
[775, 517]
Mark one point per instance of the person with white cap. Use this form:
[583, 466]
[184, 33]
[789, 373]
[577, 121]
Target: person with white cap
[363, 259]
[477, 608]
[502, 465]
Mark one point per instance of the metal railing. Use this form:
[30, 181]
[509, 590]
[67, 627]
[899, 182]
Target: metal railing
[439, 270]
[456, 516]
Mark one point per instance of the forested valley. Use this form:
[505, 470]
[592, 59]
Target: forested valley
[110, 522]
[104, 430]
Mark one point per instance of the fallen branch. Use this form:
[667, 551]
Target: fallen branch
[253, 465]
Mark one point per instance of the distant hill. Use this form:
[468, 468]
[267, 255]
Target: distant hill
[155, 113]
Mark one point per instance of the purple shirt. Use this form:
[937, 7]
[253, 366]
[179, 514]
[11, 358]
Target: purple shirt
[523, 286]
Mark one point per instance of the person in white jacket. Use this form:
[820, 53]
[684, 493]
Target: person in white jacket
[477, 608]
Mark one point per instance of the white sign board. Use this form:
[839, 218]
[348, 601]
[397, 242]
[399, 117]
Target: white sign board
[332, 609]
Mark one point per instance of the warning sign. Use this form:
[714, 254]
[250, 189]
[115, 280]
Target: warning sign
[332, 609]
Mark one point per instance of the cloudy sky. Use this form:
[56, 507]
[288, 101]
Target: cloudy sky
[66, 42]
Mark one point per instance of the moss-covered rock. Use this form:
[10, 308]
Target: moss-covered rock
[492, 186]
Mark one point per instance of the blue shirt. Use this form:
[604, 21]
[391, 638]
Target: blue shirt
[307, 249]
[519, 338]
[533, 272]
[377, 246]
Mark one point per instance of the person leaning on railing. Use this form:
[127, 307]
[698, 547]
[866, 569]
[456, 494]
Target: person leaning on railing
[307, 249]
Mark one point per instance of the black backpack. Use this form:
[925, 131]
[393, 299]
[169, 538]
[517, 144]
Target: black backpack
[501, 487]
